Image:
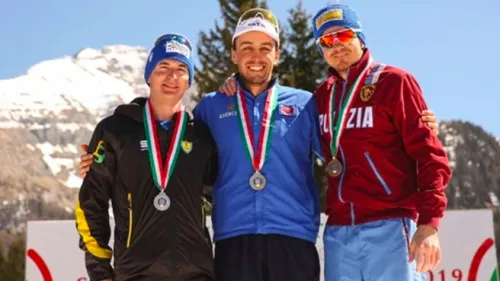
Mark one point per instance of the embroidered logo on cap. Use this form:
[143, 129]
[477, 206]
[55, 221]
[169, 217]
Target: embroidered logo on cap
[176, 47]
[329, 15]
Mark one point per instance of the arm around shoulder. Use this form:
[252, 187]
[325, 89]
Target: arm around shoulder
[92, 217]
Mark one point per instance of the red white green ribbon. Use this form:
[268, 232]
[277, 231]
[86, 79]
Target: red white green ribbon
[337, 128]
[163, 172]
[258, 157]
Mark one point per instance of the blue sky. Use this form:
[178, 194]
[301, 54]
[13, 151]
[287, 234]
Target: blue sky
[449, 45]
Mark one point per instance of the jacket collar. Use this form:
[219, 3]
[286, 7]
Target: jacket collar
[353, 71]
[262, 95]
[133, 110]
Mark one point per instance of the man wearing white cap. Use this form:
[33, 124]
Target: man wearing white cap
[266, 203]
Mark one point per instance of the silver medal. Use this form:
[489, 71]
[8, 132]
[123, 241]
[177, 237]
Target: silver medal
[162, 202]
[257, 181]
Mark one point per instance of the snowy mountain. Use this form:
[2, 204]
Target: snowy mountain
[47, 112]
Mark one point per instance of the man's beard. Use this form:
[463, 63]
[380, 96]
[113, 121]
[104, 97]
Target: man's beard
[255, 80]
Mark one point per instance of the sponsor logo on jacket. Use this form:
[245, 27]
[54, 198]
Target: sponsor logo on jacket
[100, 152]
[230, 111]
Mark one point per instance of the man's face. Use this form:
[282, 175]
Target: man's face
[341, 56]
[255, 54]
[169, 79]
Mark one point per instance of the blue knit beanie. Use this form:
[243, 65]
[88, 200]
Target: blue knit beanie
[171, 46]
[337, 15]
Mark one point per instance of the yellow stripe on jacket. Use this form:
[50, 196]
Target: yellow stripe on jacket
[84, 231]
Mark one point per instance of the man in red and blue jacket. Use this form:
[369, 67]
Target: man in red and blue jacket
[387, 170]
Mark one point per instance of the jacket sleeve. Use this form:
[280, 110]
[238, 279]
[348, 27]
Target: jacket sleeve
[200, 112]
[200, 116]
[92, 217]
[212, 167]
[433, 170]
[312, 111]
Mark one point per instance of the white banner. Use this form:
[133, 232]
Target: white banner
[467, 241]
[468, 247]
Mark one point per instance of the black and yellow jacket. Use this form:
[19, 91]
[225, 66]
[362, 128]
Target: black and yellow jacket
[148, 244]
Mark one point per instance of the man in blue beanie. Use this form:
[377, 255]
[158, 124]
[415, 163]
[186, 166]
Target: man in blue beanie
[387, 170]
[151, 160]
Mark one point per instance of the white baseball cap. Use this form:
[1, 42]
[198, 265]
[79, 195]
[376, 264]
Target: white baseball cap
[258, 19]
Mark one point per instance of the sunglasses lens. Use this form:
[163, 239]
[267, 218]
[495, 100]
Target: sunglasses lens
[343, 36]
[327, 41]
[259, 12]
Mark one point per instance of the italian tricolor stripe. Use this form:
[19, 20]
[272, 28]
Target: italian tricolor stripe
[162, 172]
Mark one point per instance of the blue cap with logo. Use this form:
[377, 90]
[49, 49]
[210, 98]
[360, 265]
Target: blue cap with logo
[337, 15]
[171, 46]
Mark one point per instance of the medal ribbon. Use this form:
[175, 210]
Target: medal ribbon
[337, 128]
[162, 173]
[259, 157]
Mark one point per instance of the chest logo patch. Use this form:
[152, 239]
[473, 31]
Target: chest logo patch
[367, 92]
[144, 145]
[187, 146]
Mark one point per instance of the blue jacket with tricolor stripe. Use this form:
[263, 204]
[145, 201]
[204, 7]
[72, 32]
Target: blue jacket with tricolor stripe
[289, 204]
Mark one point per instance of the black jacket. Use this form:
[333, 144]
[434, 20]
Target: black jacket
[148, 244]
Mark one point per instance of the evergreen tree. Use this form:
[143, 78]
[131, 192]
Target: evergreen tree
[214, 47]
[16, 261]
[301, 64]
[303, 67]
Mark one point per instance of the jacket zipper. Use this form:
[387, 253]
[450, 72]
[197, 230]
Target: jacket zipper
[341, 176]
[377, 174]
[340, 149]
[203, 213]
[353, 217]
[130, 219]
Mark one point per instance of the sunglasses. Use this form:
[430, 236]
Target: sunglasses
[173, 37]
[344, 36]
[258, 13]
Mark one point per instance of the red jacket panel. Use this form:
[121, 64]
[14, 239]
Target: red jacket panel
[393, 164]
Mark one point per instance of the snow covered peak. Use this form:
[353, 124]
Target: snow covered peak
[92, 80]
[109, 51]
[57, 103]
